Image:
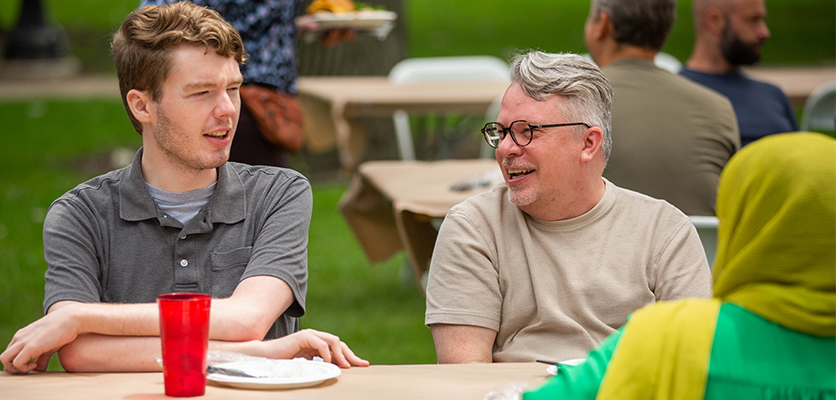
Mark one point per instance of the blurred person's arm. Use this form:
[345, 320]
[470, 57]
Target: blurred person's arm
[329, 37]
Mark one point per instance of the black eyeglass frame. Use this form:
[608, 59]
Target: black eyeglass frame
[531, 127]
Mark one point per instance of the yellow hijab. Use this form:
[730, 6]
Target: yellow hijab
[776, 257]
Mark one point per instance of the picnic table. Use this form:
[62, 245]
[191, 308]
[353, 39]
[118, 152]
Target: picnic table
[403, 382]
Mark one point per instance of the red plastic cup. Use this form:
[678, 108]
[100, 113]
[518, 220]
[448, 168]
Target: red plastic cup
[184, 330]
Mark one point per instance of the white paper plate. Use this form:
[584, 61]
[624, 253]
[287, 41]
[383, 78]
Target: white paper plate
[312, 373]
[552, 369]
[360, 20]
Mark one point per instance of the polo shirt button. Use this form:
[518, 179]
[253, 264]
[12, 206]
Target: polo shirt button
[183, 237]
[184, 263]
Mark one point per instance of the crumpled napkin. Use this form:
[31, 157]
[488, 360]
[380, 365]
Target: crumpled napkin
[264, 367]
[511, 391]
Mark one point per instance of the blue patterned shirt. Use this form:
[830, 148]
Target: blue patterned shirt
[269, 35]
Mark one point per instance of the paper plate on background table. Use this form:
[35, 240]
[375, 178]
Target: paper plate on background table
[552, 369]
[359, 20]
[278, 374]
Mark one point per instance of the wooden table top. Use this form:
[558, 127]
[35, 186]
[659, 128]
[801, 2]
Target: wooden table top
[401, 382]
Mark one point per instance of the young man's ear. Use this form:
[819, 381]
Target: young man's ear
[139, 103]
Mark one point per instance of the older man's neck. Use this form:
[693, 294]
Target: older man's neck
[565, 206]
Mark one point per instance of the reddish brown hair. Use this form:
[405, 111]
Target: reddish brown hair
[142, 46]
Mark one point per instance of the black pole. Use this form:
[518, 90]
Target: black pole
[33, 38]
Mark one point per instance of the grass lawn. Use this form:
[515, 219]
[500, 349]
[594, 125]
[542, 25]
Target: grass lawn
[802, 30]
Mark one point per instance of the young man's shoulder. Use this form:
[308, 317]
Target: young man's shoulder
[265, 173]
[98, 187]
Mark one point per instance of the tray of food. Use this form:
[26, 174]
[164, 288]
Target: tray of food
[347, 14]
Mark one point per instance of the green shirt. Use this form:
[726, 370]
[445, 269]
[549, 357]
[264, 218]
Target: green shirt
[751, 358]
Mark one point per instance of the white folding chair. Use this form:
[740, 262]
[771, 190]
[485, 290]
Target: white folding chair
[707, 229]
[668, 62]
[662, 60]
[440, 69]
[820, 109]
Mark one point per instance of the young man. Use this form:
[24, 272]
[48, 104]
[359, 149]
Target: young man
[180, 218]
[550, 263]
[270, 33]
[673, 136]
[730, 33]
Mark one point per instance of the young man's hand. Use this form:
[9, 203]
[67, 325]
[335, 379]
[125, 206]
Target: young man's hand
[309, 343]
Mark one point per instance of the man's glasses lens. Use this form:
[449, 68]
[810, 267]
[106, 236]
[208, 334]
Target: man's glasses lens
[520, 132]
[494, 133]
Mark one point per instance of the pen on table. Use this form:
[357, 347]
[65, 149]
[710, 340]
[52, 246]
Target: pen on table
[547, 362]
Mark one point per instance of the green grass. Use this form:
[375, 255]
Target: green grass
[107, 14]
[802, 30]
[45, 145]
[51, 146]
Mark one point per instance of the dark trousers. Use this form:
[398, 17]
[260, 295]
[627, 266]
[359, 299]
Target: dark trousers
[250, 147]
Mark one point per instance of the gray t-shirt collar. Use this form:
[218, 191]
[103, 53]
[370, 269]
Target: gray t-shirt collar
[227, 205]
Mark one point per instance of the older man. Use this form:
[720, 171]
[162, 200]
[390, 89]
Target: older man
[673, 137]
[550, 263]
[728, 34]
[179, 218]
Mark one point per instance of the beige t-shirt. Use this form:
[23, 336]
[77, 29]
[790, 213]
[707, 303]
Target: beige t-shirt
[555, 289]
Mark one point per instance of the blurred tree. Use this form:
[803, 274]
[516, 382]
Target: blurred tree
[33, 38]
[36, 48]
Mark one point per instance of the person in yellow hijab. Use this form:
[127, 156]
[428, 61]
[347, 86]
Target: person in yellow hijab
[770, 330]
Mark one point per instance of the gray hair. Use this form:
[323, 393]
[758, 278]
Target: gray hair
[643, 23]
[586, 92]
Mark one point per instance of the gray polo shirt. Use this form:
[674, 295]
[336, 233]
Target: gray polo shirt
[107, 241]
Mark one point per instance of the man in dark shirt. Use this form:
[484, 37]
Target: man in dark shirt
[730, 33]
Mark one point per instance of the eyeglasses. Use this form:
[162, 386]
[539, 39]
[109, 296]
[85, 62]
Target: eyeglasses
[521, 131]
